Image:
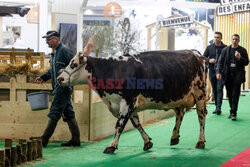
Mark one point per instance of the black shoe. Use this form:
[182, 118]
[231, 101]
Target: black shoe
[218, 112]
[215, 112]
[233, 118]
[71, 143]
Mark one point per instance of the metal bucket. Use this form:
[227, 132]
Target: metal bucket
[39, 100]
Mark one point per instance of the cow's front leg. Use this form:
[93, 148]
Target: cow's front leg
[125, 113]
[176, 132]
[202, 112]
[136, 123]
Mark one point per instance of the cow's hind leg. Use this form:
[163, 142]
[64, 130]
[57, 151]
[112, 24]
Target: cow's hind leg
[124, 115]
[202, 112]
[147, 140]
[179, 117]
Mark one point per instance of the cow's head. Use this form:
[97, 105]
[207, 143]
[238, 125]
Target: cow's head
[75, 73]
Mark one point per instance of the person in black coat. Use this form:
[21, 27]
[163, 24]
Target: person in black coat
[231, 70]
[213, 52]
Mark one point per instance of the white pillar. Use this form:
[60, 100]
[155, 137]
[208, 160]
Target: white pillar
[44, 24]
[82, 4]
[1, 32]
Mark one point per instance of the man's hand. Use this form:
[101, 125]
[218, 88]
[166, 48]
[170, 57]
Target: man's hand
[218, 76]
[212, 60]
[237, 54]
[60, 71]
[38, 80]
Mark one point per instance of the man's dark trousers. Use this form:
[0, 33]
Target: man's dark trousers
[233, 92]
[217, 88]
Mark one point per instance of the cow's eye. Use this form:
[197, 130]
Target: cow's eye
[73, 65]
[81, 59]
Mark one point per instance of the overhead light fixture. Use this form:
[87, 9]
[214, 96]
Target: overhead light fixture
[33, 16]
[112, 9]
[89, 12]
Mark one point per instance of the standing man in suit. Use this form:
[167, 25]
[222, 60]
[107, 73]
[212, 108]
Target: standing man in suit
[231, 70]
[213, 52]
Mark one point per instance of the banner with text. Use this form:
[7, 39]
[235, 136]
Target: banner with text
[233, 6]
[176, 21]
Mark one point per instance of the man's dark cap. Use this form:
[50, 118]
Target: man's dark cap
[51, 33]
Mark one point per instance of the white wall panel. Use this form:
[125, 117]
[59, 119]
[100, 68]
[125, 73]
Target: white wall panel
[65, 6]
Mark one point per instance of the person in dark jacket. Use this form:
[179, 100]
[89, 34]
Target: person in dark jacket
[213, 52]
[61, 104]
[231, 71]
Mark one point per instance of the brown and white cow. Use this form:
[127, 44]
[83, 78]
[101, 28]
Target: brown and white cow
[150, 80]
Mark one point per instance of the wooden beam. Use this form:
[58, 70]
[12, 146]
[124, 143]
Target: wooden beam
[202, 25]
[205, 39]
[13, 159]
[164, 37]
[151, 25]
[149, 38]
[2, 158]
[7, 156]
[8, 143]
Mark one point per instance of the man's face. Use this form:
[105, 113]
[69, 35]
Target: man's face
[15, 37]
[217, 38]
[235, 40]
[52, 41]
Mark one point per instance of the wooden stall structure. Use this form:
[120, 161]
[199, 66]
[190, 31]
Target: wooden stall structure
[20, 56]
[17, 120]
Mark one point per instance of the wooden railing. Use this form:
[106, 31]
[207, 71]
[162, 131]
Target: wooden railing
[18, 57]
[17, 120]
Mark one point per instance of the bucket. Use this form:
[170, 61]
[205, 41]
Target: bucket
[39, 100]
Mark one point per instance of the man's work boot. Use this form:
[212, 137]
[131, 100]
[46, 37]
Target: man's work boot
[215, 112]
[218, 112]
[233, 118]
[47, 132]
[74, 130]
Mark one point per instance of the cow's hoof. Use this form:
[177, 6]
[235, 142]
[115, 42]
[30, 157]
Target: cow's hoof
[147, 146]
[200, 145]
[109, 150]
[174, 141]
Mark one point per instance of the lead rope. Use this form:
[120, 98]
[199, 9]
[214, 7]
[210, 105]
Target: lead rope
[72, 73]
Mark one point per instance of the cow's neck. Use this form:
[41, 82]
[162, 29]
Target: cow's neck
[100, 69]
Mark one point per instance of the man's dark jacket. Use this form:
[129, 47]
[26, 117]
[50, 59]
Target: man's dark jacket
[210, 53]
[223, 65]
[59, 60]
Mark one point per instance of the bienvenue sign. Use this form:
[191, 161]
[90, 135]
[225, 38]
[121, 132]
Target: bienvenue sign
[232, 6]
[176, 21]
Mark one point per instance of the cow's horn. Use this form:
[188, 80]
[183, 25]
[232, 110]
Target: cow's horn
[90, 45]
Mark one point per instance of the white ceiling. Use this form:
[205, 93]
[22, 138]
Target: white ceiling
[153, 3]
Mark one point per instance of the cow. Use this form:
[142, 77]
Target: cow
[149, 80]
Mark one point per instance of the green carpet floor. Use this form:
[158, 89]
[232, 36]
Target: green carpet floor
[225, 139]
